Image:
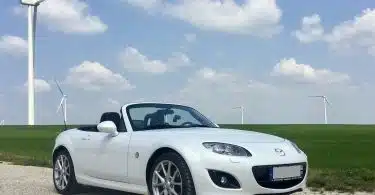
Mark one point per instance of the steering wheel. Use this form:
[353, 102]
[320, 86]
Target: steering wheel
[187, 123]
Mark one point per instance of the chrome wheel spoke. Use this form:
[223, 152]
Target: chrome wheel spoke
[62, 161]
[65, 179]
[160, 177]
[176, 183]
[174, 175]
[61, 182]
[158, 184]
[169, 170]
[164, 171]
[173, 192]
[59, 164]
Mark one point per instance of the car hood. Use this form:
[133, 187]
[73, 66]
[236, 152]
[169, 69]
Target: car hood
[220, 135]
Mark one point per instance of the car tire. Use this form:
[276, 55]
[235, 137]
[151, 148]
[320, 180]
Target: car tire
[187, 187]
[72, 186]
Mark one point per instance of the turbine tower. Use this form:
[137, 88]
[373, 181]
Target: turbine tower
[325, 102]
[242, 112]
[32, 13]
[2, 122]
[62, 104]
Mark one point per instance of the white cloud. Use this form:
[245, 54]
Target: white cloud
[358, 32]
[68, 16]
[113, 102]
[93, 76]
[211, 75]
[258, 17]
[190, 37]
[13, 45]
[311, 30]
[214, 92]
[305, 73]
[135, 61]
[177, 60]
[207, 81]
[40, 86]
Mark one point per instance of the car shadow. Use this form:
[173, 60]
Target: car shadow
[101, 191]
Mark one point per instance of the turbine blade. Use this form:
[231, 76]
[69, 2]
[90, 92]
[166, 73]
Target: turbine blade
[60, 105]
[58, 86]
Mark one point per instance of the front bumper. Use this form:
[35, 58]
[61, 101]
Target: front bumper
[251, 173]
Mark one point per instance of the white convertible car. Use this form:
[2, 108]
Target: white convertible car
[170, 149]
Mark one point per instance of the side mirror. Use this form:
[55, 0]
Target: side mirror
[108, 127]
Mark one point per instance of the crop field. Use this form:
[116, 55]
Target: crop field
[341, 157]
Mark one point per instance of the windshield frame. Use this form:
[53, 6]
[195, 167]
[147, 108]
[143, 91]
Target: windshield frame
[211, 124]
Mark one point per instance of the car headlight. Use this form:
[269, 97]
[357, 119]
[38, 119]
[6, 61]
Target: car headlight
[295, 147]
[226, 149]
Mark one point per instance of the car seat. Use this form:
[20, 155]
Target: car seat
[111, 116]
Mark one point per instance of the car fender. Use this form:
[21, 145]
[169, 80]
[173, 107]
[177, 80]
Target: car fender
[63, 140]
[191, 155]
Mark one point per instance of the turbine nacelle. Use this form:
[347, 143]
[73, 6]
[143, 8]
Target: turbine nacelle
[31, 2]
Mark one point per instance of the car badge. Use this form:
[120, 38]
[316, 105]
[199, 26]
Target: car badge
[280, 151]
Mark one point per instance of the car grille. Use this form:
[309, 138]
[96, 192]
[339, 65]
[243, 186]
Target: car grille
[262, 176]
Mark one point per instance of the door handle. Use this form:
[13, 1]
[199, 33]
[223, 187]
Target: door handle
[86, 138]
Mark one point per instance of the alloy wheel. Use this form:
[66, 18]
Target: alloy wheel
[166, 179]
[61, 172]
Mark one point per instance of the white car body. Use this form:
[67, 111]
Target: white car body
[121, 160]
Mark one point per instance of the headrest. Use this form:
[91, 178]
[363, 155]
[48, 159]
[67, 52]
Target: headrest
[111, 116]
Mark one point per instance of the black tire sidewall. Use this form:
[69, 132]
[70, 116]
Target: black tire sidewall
[187, 180]
[72, 183]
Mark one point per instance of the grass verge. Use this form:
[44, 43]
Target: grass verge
[25, 160]
[340, 156]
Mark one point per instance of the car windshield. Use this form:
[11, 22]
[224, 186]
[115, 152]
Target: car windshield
[164, 116]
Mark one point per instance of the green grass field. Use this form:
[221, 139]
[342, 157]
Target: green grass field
[341, 157]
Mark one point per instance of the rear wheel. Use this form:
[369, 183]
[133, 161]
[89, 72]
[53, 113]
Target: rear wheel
[170, 175]
[64, 178]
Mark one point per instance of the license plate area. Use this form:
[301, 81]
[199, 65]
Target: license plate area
[284, 173]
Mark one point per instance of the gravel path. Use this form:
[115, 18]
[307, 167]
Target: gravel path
[28, 180]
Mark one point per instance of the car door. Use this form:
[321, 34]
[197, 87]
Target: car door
[81, 151]
[108, 156]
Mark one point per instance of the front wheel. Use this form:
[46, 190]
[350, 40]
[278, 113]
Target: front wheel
[170, 175]
[63, 174]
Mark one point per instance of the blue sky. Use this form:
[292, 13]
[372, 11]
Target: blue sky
[266, 55]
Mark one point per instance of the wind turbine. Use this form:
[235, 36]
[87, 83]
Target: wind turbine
[325, 102]
[32, 13]
[2, 122]
[242, 112]
[62, 104]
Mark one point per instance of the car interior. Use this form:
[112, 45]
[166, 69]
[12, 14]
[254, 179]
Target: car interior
[151, 119]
